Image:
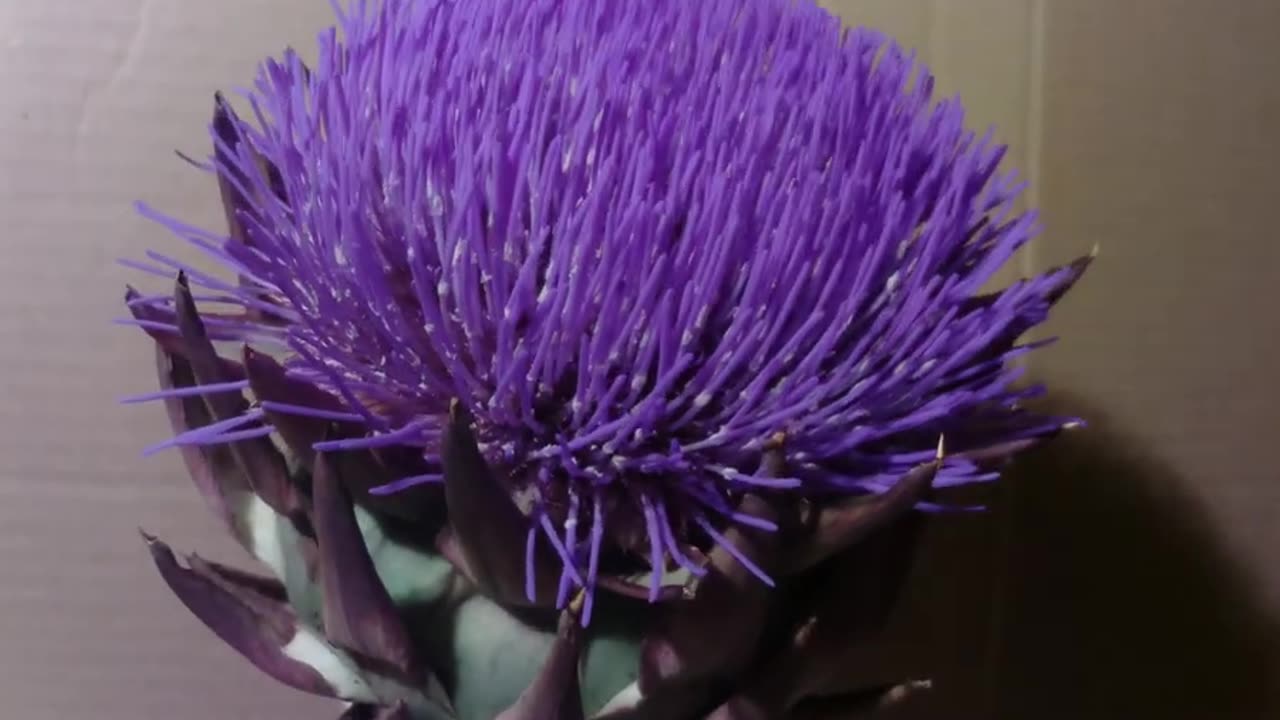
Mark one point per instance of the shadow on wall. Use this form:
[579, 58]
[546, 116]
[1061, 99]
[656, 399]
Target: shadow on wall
[1094, 588]
[1120, 600]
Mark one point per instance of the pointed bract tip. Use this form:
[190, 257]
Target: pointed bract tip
[188, 159]
[181, 283]
[576, 603]
[190, 324]
[942, 449]
[223, 114]
[458, 413]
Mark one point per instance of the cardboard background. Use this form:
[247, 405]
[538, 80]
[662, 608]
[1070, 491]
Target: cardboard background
[1128, 572]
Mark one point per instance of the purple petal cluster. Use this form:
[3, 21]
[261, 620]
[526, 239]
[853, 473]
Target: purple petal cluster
[641, 243]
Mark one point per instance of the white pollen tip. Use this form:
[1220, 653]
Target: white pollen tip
[892, 283]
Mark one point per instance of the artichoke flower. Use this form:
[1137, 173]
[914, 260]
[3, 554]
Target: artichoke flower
[583, 359]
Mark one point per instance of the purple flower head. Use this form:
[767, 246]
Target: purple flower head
[658, 256]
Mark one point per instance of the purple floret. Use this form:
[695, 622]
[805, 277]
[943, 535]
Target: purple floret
[638, 241]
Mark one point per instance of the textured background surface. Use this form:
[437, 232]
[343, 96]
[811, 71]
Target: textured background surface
[1132, 572]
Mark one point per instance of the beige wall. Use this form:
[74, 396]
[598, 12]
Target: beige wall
[1130, 572]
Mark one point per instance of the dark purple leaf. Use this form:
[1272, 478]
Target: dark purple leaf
[1059, 281]
[1069, 275]
[256, 626]
[220, 479]
[836, 527]
[271, 384]
[212, 468]
[487, 526]
[172, 341]
[226, 128]
[358, 613]
[1054, 283]
[360, 470]
[261, 463]
[269, 588]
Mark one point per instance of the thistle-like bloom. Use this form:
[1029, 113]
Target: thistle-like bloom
[624, 285]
